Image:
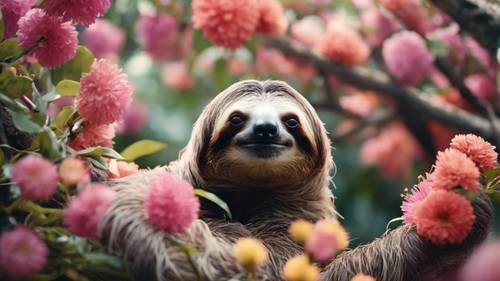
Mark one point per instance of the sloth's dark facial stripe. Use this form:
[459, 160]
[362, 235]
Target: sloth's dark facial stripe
[229, 131]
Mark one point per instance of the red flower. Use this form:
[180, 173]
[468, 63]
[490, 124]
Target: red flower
[78, 11]
[454, 169]
[477, 149]
[343, 45]
[272, 20]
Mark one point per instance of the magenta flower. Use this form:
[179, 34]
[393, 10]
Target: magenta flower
[104, 39]
[77, 11]
[105, 93]
[59, 38]
[23, 253]
[482, 86]
[171, 204]
[84, 213]
[378, 25]
[12, 11]
[407, 57]
[36, 177]
[94, 135]
[134, 119]
[176, 75]
[418, 193]
[483, 264]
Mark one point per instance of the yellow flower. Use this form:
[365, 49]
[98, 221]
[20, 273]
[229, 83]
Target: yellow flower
[250, 253]
[300, 230]
[362, 277]
[300, 268]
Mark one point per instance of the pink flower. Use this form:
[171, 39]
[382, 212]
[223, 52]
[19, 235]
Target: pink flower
[418, 193]
[60, 38]
[105, 93]
[480, 54]
[23, 253]
[476, 148]
[411, 12]
[84, 213]
[94, 135]
[308, 30]
[134, 119]
[343, 45]
[444, 217]
[12, 11]
[160, 37]
[104, 39]
[171, 204]
[327, 238]
[120, 169]
[272, 20]
[407, 57]
[74, 171]
[450, 36]
[362, 103]
[378, 26]
[227, 23]
[392, 151]
[482, 86]
[36, 177]
[273, 61]
[483, 264]
[78, 11]
[176, 75]
[453, 169]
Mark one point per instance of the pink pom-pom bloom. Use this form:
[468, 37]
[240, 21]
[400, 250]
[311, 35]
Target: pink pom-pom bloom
[272, 20]
[482, 86]
[227, 23]
[343, 45]
[378, 26]
[171, 204]
[77, 11]
[159, 35]
[84, 213]
[105, 93]
[94, 135]
[134, 119]
[327, 238]
[176, 75]
[444, 217]
[23, 253]
[477, 149]
[59, 38]
[483, 264]
[407, 57]
[411, 12]
[12, 11]
[308, 30]
[453, 169]
[104, 39]
[418, 193]
[36, 177]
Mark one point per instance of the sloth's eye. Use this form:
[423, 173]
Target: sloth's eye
[292, 123]
[236, 120]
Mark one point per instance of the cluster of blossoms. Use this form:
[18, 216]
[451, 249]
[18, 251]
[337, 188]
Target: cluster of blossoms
[437, 205]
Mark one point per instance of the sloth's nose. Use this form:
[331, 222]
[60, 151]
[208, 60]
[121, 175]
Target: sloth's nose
[265, 129]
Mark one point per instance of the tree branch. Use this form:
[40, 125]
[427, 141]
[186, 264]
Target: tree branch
[380, 83]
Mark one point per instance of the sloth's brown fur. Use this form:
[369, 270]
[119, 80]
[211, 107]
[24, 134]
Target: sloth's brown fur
[262, 209]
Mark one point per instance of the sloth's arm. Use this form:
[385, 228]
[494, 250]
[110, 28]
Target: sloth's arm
[154, 254]
[403, 255]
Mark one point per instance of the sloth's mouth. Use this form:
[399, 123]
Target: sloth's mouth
[263, 150]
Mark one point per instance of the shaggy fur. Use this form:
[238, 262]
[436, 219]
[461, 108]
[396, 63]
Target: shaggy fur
[262, 207]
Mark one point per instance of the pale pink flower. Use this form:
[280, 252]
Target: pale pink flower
[94, 135]
[120, 169]
[273, 61]
[377, 26]
[407, 57]
[23, 253]
[74, 171]
[476, 148]
[272, 20]
[344, 45]
[78, 11]
[308, 30]
[36, 177]
[361, 103]
[84, 212]
[483, 263]
[237, 66]
[411, 12]
[12, 11]
[227, 23]
[328, 237]
[453, 169]
[104, 39]
[60, 38]
[134, 119]
[418, 193]
[171, 204]
[482, 86]
[176, 75]
[105, 93]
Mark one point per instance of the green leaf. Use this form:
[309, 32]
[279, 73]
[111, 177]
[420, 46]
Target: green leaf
[142, 148]
[13, 104]
[111, 153]
[14, 86]
[64, 116]
[73, 69]
[9, 48]
[23, 122]
[492, 174]
[495, 195]
[98, 163]
[215, 199]
[2, 28]
[68, 88]
[49, 147]
[93, 152]
[101, 258]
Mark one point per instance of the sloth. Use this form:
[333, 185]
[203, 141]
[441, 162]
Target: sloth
[261, 147]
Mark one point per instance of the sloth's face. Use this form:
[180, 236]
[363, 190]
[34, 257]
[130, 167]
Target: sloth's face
[265, 139]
